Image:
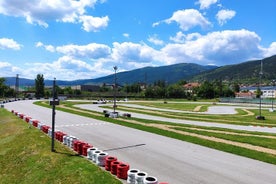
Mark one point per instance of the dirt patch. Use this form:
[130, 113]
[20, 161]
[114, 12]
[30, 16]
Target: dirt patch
[249, 113]
[197, 108]
[243, 145]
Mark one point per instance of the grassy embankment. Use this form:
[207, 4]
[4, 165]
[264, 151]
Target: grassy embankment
[264, 144]
[26, 157]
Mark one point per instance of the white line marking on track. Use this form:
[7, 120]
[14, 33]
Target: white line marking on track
[85, 124]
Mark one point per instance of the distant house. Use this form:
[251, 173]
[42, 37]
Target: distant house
[267, 91]
[189, 87]
[90, 88]
[248, 94]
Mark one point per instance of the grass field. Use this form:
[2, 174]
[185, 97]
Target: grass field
[259, 146]
[26, 157]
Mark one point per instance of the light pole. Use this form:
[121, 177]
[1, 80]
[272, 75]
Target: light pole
[273, 94]
[260, 117]
[53, 103]
[115, 88]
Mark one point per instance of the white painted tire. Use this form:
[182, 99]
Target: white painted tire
[94, 154]
[90, 151]
[150, 180]
[131, 175]
[100, 158]
[139, 177]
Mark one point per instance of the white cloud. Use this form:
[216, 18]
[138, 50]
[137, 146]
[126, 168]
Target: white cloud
[64, 68]
[220, 48]
[182, 38]
[205, 4]
[6, 43]
[126, 35]
[8, 70]
[41, 11]
[224, 15]
[91, 51]
[155, 40]
[187, 19]
[271, 50]
[133, 52]
[49, 48]
[94, 24]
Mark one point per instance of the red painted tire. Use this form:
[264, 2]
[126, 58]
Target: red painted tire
[114, 165]
[108, 161]
[84, 149]
[75, 146]
[122, 171]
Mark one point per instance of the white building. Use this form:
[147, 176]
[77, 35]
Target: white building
[267, 91]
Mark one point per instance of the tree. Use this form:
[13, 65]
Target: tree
[2, 87]
[39, 86]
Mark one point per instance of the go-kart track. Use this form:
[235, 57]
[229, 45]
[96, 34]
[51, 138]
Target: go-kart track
[169, 160]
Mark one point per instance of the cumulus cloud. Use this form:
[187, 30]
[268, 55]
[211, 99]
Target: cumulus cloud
[41, 11]
[219, 48]
[271, 50]
[94, 24]
[6, 43]
[187, 19]
[91, 51]
[8, 70]
[155, 40]
[205, 4]
[224, 15]
[182, 38]
[133, 52]
[65, 67]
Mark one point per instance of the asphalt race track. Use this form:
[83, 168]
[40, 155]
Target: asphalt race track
[170, 160]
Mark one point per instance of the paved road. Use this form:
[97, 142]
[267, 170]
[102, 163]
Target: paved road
[218, 109]
[169, 160]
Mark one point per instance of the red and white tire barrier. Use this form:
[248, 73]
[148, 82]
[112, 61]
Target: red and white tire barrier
[100, 158]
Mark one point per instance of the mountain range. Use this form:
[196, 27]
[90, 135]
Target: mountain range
[247, 71]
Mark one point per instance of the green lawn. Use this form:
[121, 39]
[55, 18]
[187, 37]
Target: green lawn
[26, 157]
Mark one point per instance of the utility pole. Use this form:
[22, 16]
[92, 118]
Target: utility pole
[16, 86]
[260, 117]
[53, 103]
[115, 88]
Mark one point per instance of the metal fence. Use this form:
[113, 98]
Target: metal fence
[246, 100]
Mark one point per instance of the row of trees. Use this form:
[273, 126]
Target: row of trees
[159, 89]
[206, 90]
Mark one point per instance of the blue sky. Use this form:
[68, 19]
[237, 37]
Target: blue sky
[83, 39]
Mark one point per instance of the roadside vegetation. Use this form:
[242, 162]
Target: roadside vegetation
[256, 145]
[26, 157]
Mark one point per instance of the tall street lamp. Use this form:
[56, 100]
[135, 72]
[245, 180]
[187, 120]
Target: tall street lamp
[273, 94]
[115, 88]
[260, 117]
